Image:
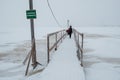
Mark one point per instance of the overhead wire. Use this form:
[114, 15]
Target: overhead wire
[53, 13]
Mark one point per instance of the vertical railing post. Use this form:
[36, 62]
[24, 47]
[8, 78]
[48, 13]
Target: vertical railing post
[78, 38]
[56, 41]
[61, 36]
[82, 51]
[82, 40]
[48, 44]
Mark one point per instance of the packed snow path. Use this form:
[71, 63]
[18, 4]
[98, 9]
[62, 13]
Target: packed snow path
[64, 64]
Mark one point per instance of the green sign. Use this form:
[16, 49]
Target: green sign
[31, 14]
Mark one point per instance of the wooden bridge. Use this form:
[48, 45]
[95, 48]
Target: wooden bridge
[66, 53]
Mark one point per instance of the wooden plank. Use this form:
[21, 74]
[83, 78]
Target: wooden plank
[28, 55]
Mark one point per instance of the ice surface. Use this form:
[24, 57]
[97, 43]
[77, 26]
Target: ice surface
[101, 55]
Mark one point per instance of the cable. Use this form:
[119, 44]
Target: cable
[53, 13]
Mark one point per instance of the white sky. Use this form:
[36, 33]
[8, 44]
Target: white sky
[79, 12]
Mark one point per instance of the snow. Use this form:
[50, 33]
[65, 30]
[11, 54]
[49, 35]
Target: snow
[101, 55]
[11, 36]
[64, 65]
[101, 59]
[10, 70]
[102, 71]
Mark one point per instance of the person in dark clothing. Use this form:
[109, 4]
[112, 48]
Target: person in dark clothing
[69, 31]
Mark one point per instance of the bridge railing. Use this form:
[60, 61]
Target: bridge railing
[79, 44]
[53, 40]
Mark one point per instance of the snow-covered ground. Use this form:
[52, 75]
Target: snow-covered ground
[101, 52]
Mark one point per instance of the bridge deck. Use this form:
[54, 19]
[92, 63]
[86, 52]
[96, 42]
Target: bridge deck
[64, 64]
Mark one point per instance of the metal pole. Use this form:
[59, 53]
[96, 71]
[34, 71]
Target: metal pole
[32, 35]
[67, 23]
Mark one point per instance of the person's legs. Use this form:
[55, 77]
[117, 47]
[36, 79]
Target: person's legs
[70, 35]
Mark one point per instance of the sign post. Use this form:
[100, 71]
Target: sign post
[32, 36]
[31, 14]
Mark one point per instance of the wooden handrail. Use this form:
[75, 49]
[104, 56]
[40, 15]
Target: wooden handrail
[79, 45]
[63, 34]
[56, 32]
[54, 46]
